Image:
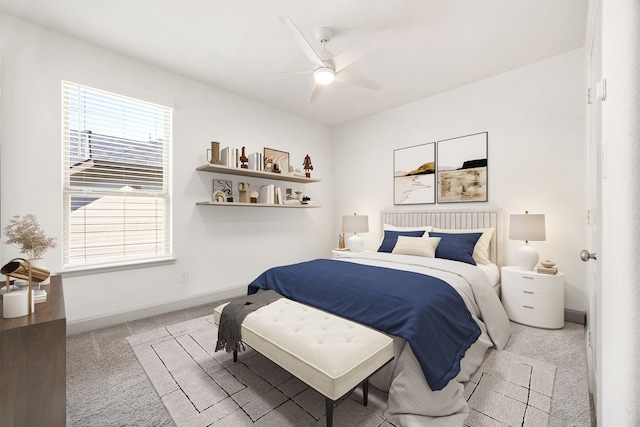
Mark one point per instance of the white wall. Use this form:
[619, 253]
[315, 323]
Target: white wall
[536, 119]
[221, 249]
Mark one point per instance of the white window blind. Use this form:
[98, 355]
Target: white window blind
[116, 178]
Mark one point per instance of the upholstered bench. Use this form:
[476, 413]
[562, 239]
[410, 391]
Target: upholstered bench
[329, 353]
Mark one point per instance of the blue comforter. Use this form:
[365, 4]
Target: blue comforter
[423, 310]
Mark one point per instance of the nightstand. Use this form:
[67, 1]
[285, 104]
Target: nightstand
[336, 252]
[532, 298]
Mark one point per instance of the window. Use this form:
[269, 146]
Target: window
[116, 178]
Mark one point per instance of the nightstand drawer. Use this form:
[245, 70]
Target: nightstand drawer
[540, 283]
[535, 316]
[534, 297]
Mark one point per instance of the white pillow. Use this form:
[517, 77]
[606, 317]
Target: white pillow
[419, 246]
[482, 249]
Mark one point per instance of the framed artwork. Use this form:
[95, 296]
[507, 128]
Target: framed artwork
[224, 186]
[414, 175]
[276, 160]
[462, 169]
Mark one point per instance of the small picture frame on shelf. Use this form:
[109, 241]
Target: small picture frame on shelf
[225, 186]
[276, 161]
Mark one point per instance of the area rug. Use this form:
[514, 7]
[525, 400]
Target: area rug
[201, 387]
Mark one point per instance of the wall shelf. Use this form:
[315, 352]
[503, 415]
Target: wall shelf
[255, 174]
[258, 205]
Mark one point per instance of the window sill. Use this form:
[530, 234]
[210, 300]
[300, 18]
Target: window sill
[109, 268]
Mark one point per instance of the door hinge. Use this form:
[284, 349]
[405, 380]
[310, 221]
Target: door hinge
[588, 96]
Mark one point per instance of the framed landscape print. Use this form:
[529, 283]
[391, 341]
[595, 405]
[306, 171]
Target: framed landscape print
[462, 169]
[414, 174]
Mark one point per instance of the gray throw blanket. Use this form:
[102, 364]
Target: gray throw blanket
[229, 335]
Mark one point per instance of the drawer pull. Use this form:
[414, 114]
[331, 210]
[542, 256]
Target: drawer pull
[528, 292]
[528, 277]
[528, 306]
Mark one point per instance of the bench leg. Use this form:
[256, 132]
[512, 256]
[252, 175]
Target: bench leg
[329, 415]
[365, 392]
[235, 355]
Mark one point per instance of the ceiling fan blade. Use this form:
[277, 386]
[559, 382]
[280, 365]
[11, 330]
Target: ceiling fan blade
[302, 42]
[351, 55]
[315, 91]
[287, 72]
[346, 76]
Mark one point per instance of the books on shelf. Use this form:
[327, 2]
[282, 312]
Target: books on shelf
[230, 157]
[267, 194]
[256, 162]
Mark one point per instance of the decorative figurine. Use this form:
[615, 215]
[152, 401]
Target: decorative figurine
[213, 153]
[307, 166]
[243, 160]
[243, 189]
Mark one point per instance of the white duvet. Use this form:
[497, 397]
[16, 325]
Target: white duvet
[411, 401]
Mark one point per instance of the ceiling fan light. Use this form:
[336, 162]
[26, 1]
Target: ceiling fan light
[323, 75]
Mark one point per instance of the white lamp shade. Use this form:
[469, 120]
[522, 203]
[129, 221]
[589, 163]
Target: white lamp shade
[355, 223]
[527, 227]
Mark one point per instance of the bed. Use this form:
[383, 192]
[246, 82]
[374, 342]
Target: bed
[458, 249]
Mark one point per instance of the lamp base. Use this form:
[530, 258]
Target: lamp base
[527, 258]
[355, 243]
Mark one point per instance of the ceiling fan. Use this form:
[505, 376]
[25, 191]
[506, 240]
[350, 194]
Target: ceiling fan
[328, 67]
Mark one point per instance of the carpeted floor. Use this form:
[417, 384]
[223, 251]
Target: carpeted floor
[107, 386]
[200, 387]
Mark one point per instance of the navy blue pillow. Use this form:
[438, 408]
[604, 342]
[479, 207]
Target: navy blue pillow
[391, 238]
[456, 246]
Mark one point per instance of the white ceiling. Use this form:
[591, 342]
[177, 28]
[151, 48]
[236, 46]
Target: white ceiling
[436, 45]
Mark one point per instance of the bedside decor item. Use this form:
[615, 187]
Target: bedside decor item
[213, 153]
[21, 268]
[307, 166]
[355, 224]
[527, 227]
[414, 175]
[462, 169]
[253, 196]
[243, 189]
[547, 267]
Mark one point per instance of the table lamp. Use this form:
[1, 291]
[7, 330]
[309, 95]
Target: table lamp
[355, 224]
[527, 227]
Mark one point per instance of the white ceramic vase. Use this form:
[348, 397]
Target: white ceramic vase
[39, 262]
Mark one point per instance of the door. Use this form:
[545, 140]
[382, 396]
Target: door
[596, 95]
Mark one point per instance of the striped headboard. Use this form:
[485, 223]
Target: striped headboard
[462, 219]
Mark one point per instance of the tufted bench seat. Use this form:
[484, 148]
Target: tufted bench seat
[329, 353]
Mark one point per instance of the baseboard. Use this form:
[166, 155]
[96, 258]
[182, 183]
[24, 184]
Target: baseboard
[575, 316]
[89, 324]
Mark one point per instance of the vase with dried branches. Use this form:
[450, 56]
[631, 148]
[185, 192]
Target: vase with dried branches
[26, 233]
